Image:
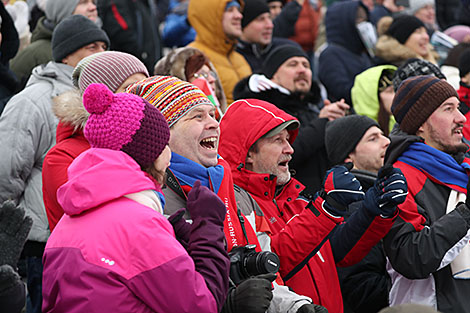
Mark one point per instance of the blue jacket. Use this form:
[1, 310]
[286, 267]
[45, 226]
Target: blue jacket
[345, 55]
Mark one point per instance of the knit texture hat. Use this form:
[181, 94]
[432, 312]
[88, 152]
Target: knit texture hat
[403, 26]
[278, 56]
[415, 5]
[417, 98]
[172, 96]
[464, 63]
[253, 9]
[343, 134]
[73, 33]
[415, 67]
[124, 122]
[111, 68]
[58, 10]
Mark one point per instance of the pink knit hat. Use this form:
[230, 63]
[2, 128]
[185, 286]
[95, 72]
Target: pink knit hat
[124, 122]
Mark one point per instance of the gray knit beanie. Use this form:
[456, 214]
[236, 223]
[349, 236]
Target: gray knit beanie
[343, 134]
[73, 33]
[57, 10]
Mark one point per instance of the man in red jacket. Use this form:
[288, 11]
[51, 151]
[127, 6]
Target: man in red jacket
[256, 140]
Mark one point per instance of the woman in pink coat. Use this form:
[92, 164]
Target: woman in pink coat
[113, 250]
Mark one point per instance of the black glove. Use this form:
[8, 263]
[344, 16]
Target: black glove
[14, 229]
[340, 188]
[464, 208]
[389, 190]
[12, 290]
[312, 308]
[204, 203]
[253, 295]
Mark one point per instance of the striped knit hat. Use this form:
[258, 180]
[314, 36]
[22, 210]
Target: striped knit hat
[111, 68]
[172, 96]
[417, 98]
[124, 122]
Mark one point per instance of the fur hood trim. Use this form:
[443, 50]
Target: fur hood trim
[392, 51]
[69, 109]
[173, 64]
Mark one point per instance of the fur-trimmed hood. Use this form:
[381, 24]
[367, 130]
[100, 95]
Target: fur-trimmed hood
[69, 109]
[173, 64]
[392, 51]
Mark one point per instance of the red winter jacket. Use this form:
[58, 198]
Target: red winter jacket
[300, 228]
[464, 96]
[69, 145]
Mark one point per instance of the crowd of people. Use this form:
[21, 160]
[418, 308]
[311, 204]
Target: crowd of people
[298, 156]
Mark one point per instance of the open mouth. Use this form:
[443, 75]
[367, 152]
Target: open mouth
[209, 143]
[284, 163]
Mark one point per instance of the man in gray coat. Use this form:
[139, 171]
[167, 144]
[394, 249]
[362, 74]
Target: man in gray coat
[27, 132]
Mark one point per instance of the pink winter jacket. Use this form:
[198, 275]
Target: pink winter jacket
[111, 254]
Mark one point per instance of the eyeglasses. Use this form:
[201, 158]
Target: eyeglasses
[205, 75]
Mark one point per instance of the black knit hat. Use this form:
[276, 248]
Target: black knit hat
[253, 9]
[415, 67]
[417, 98]
[343, 134]
[403, 26]
[73, 33]
[464, 63]
[278, 56]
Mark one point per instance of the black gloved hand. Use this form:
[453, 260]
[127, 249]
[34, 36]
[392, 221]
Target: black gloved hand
[389, 190]
[204, 203]
[253, 295]
[340, 188]
[14, 229]
[180, 226]
[312, 308]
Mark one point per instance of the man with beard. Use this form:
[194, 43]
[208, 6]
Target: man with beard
[428, 244]
[358, 139]
[255, 140]
[194, 142]
[287, 83]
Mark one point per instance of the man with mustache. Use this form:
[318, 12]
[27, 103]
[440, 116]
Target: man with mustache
[287, 83]
[428, 245]
[307, 234]
[194, 142]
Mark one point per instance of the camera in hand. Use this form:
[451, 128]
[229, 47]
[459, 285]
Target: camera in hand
[246, 262]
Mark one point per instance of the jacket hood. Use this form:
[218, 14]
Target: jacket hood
[69, 109]
[365, 92]
[41, 31]
[56, 74]
[238, 133]
[340, 24]
[205, 16]
[173, 64]
[100, 175]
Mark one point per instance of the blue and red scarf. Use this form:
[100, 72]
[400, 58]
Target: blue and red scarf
[219, 179]
[439, 166]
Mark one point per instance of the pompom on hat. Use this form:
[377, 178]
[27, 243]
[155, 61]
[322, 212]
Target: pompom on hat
[124, 122]
[172, 96]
